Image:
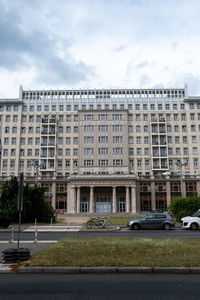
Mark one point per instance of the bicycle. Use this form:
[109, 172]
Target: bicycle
[98, 222]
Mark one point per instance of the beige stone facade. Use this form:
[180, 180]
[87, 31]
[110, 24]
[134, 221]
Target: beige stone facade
[115, 150]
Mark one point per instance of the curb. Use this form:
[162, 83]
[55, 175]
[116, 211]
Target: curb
[109, 270]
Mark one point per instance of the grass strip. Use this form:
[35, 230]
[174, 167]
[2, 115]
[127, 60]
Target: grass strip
[72, 252]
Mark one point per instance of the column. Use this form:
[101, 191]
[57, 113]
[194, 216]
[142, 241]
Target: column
[71, 203]
[78, 200]
[153, 196]
[114, 201]
[127, 200]
[133, 199]
[168, 190]
[53, 199]
[91, 199]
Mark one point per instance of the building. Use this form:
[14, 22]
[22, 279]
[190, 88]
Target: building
[111, 150]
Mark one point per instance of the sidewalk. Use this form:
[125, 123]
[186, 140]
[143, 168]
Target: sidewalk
[98, 270]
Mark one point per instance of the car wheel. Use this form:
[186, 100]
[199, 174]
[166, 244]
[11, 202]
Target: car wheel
[167, 226]
[194, 226]
[135, 227]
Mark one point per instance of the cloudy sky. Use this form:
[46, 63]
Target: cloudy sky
[99, 44]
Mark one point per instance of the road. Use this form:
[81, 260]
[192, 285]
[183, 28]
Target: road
[105, 286]
[29, 236]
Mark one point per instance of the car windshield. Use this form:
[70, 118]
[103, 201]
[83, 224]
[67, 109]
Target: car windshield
[196, 214]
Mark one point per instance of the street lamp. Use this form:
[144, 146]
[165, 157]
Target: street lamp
[180, 165]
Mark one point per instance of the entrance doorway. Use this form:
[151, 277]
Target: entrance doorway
[84, 204]
[103, 204]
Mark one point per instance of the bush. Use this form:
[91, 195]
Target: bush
[181, 207]
[34, 204]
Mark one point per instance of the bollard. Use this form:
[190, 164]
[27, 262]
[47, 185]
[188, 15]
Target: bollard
[51, 222]
[12, 235]
[35, 222]
[35, 235]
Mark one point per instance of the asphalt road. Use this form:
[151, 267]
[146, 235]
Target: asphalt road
[29, 236]
[111, 287]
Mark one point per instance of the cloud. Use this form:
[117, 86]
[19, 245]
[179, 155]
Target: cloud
[27, 47]
[192, 81]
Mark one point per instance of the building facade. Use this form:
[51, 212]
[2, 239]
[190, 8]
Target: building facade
[103, 151]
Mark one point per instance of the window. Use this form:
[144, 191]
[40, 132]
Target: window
[169, 138]
[59, 163]
[103, 151]
[130, 117]
[37, 129]
[75, 152]
[31, 119]
[183, 117]
[177, 139]
[117, 117]
[88, 139]
[178, 151]
[145, 128]
[103, 162]
[131, 163]
[193, 129]
[146, 151]
[170, 151]
[168, 117]
[146, 140]
[30, 130]
[152, 106]
[184, 128]
[137, 128]
[175, 117]
[13, 152]
[67, 152]
[61, 107]
[175, 106]
[117, 139]
[195, 161]
[182, 106]
[194, 139]
[117, 151]
[37, 152]
[68, 107]
[139, 162]
[75, 129]
[194, 150]
[46, 107]
[192, 117]
[88, 117]
[68, 129]
[22, 141]
[29, 152]
[37, 141]
[139, 151]
[117, 162]
[89, 128]
[15, 119]
[137, 107]
[38, 119]
[191, 105]
[103, 128]
[130, 140]
[7, 118]
[75, 140]
[169, 128]
[167, 106]
[60, 129]
[60, 152]
[145, 107]
[145, 117]
[30, 141]
[184, 139]
[61, 118]
[39, 107]
[5, 152]
[159, 106]
[53, 108]
[67, 163]
[68, 118]
[131, 151]
[176, 128]
[7, 129]
[103, 139]
[117, 128]
[13, 141]
[14, 130]
[60, 140]
[88, 151]
[138, 140]
[75, 118]
[130, 128]
[137, 117]
[102, 117]
[146, 162]
[15, 108]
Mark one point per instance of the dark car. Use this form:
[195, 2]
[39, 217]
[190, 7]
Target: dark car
[4, 221]
[152, 220]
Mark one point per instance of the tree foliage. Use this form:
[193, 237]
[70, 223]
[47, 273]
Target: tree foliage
[34, 204]
[181, 207]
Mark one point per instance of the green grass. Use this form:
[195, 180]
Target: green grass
[120, 252]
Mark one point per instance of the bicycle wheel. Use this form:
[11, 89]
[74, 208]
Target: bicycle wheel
[90, 224]
[108, 224]
[101, 223]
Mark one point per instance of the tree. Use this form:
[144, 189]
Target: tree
[181, 207]
[34, 204]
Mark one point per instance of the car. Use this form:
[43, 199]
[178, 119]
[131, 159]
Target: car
[60, 211]
[152, 220]
[4, 221]
[192, 222]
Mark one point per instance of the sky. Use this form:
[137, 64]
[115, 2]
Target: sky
[80, 44]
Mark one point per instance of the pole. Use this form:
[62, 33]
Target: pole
[20, 205]
[181, 181]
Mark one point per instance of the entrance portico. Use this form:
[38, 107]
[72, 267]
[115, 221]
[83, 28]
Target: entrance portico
[100, 196]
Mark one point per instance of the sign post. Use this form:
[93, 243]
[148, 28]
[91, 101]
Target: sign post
[20, 205]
